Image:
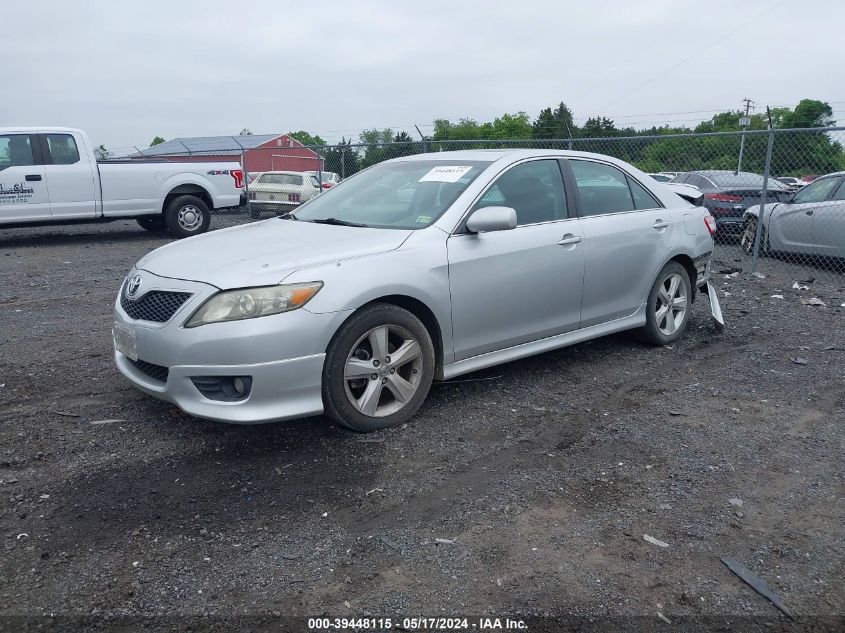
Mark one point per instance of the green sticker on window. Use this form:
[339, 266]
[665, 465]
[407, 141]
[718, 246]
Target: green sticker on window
[423, 219]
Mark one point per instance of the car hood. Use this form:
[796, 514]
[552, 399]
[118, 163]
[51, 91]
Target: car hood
[264, 253]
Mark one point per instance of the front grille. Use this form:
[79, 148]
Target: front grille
[156, 305]
[156, 372]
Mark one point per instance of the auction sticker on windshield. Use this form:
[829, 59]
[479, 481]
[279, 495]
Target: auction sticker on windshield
[124, 340]
[445, 173]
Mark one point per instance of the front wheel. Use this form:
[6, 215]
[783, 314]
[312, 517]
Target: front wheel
[668, 305]
[187, 216]
[378, 369]
[749, 235]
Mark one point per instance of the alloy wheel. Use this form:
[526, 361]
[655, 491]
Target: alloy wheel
[383, 371]
[672, 304]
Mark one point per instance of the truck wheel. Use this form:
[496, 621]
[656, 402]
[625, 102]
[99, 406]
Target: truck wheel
[378, 369]
[186, 216]
[153, 224]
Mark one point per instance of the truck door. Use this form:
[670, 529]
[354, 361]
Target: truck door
[70, 177]
[23, 187]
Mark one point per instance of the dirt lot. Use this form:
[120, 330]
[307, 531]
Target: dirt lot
[544, 474]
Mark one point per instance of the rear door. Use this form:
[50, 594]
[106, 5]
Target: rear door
[70, 177]
[627, 238]
[23, 187]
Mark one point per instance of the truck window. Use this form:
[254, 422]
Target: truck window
[62, 149]
[15, 150]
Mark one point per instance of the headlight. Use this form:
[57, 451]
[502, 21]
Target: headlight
[249, 303]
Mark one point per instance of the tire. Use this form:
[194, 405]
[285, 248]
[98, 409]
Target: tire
[154, 224]
[186, 216]
[659, 330]
[374, 379]
[749, 234]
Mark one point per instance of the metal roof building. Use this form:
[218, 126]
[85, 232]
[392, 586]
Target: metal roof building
[255, 152]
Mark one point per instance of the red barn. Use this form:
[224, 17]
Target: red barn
[256, 152]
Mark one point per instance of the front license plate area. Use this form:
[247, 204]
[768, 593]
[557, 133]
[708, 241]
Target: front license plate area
[125, 341]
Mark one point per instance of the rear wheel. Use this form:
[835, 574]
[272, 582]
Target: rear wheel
[749, 235]
[154, 224]
[186, 216]
[668, 306]
[378, 369]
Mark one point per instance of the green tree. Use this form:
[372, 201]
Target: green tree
[157, 141]
[101, 153]
[598, 127]
[377, 146]
[245, 132]
[306, 139]
[557, 123]
[342, 158]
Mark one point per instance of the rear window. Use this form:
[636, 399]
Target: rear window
[280, 179]
[743, 179]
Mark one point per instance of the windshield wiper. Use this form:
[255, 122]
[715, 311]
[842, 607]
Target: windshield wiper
[337, 222]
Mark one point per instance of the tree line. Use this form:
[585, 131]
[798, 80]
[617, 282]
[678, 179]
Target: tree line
[794, 153]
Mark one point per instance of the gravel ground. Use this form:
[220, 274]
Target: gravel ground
[542, 476]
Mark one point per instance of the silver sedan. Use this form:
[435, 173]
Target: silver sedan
[418, 269]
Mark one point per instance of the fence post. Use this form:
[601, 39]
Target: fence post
[343, 162]
[763, 194]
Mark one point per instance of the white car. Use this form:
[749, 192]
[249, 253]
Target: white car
[281, 191]
[327, 178]
[51, 176]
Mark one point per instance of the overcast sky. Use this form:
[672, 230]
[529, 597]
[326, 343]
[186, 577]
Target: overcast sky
[127, 71]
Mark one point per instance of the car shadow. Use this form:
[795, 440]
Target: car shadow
[17, 238]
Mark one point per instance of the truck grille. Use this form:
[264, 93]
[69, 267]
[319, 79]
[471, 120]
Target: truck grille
[156, 305]
[156, 372]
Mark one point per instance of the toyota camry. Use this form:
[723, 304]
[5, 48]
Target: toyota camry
[420, 268]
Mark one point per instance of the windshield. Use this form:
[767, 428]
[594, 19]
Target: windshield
[400, 195]
[744, 179]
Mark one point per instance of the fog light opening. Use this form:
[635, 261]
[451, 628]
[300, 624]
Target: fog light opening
[223, 388]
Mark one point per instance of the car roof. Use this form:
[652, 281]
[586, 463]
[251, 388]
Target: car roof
[37, 129]
[289, 173]
[492, 155]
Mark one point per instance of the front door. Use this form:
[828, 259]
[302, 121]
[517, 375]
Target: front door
[520, 285]
[23, 185]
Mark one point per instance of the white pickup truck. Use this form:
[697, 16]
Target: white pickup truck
[51, 176]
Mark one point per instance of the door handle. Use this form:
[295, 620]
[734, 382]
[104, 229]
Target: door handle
[33, 177]
[810, 212]
[660, 224]
[569, 239]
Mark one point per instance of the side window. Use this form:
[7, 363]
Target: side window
[680, 178]
[602, 188]
[817, 191]
[15, 151]
[840, 193]
[62, 149]
[642, 198]
[533, 189]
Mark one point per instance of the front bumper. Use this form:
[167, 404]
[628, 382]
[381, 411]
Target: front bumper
[283, 355]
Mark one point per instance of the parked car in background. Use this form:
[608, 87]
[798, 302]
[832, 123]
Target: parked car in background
[52, 176]
[728, 194]
[791, 182]
[660, 177]
[808, 178]
[809, 222]
[327, 178]
[281, 191]
[352, 304]
[252, 175]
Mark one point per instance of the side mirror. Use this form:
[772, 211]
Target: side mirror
[489, 219]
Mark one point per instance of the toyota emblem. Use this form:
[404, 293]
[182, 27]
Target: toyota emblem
[133, 287]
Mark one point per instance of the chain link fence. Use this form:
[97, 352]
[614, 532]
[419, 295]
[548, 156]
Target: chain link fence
[800, 233]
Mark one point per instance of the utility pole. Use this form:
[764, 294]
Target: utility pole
[744, 122]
